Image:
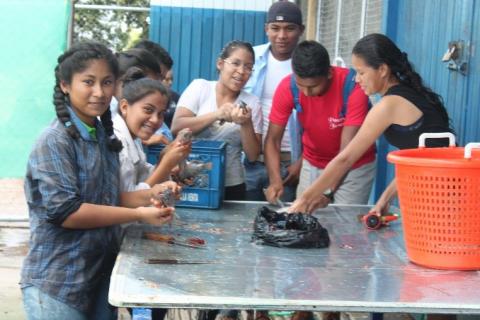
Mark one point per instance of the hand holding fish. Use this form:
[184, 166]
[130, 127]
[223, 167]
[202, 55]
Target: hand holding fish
[164, 194]
[154, 215]
[241, 113]
[224, 112]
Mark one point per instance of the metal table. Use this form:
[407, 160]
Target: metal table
[361, 270]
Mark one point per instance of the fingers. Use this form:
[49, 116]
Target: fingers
[272, 193]
[166, 212]
[290, 179]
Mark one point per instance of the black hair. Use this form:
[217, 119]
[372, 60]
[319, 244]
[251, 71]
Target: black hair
[136, 57]
[156, 50]
[136, 86]
[232, 46]
[75, 60]
[310, 60]
[377, 49]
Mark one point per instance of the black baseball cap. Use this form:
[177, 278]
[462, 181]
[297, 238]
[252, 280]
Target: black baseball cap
[284, 11]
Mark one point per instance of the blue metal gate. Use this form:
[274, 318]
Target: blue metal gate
[194, 32]
[426, 30]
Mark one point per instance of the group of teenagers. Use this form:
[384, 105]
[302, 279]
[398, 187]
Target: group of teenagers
[300, 138]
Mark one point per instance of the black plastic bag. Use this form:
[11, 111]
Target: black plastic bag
[294, 230]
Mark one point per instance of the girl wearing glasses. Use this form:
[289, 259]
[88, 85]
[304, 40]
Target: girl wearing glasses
[213, 111]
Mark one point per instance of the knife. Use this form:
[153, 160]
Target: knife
[175, 261]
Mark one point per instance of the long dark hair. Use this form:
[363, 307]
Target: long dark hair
[75, 60]
[377, 49]
[136, 86]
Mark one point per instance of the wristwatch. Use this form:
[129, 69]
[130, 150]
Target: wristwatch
[329, 194]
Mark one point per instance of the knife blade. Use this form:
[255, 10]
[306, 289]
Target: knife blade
[175, 261]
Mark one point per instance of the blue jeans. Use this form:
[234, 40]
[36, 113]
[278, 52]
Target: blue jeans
[256, 179]
[40, 306]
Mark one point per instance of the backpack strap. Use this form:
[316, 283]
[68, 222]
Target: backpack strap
[348, 86]
[295, 93]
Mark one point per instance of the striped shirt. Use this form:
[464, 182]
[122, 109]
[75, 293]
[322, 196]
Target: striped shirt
[63, 173]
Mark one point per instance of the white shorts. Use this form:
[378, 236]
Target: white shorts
[355, 188]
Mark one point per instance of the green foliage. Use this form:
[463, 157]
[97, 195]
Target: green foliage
[115, 28]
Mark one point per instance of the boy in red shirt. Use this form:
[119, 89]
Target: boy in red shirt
[327, 125]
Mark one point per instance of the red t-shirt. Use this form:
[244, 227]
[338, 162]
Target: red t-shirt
[321, 119]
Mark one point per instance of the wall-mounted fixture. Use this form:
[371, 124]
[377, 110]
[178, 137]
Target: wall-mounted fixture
[456, 57]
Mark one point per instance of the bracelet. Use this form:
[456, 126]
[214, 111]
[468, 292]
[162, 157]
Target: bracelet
[329, 194]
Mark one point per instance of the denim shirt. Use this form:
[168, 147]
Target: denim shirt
[255, 86]
[62, 174]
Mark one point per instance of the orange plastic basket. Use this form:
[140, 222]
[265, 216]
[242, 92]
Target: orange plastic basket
[439, 194]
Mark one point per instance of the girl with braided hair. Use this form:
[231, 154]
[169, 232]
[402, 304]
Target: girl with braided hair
[72, 190]
[407, 109]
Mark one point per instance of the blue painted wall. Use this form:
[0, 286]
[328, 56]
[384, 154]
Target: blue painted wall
[195, 36]
[423, 29]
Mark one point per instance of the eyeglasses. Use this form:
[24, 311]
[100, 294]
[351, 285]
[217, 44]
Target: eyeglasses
[248, 68]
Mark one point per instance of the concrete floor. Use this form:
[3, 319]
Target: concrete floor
[13, 246]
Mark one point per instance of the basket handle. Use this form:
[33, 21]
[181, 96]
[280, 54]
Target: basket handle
[469, 147]
[436, 135]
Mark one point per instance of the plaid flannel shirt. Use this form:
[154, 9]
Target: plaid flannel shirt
[63, 173]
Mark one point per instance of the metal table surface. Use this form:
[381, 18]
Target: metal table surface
[361, 270]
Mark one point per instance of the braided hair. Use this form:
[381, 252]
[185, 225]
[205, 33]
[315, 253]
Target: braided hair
[377, 49]
[75, 60]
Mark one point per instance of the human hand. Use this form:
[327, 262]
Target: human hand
[156, 139]
[224, 112]
[176, 152]
[159, 189]
[381, 208]
[241, 114]
[293, 173]
[154, 215]
[273, 192]
[308, 202]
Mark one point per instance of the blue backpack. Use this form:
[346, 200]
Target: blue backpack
[348, 86]
[295, 126]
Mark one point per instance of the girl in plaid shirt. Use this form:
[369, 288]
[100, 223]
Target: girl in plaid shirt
[73, 193]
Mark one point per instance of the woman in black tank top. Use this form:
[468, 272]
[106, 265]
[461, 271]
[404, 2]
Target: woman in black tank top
[407, 109]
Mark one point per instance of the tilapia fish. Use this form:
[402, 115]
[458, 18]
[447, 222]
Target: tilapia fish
[185, 135]
[192, 168]
[167, 198]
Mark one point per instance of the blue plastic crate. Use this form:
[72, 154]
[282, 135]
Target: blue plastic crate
[209, 195]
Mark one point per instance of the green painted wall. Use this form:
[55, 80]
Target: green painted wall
[32, 34]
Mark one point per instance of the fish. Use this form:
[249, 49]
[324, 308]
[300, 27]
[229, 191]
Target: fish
[185, 136]
[192, 168]
[242, 105]
[166, 198]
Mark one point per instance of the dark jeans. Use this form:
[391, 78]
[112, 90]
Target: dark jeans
[235, 192]
[256, 179]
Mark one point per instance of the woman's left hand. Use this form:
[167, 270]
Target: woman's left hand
[308, 202]
[241, 115]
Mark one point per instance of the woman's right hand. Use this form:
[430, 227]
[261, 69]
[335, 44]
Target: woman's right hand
[176, 152]
[224, 112]
[273, 192]
[154, 215]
